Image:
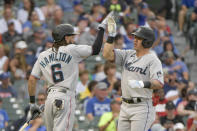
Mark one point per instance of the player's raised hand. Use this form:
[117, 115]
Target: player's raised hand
[103, 24]
[135, 84]
[111, 24]
[34, 108]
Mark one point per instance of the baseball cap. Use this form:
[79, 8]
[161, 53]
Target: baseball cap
[21, 45]
[4, 75]
[101, 86]
[49, 39]
[170, 105]
[178, 126]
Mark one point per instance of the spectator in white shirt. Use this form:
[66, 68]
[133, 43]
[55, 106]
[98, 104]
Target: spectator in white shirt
[7, 16]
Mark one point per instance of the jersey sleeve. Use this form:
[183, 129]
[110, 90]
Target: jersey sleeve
[119, 56]
[81, 52]
[156, 72]
[36, 71]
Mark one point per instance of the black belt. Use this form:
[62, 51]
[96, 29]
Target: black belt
[132, 101]
[58, 90]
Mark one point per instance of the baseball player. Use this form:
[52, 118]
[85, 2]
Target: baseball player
[59, 65]
[141, 73]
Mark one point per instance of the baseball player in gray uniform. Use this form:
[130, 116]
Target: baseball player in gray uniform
[59, 65]
[141, 73]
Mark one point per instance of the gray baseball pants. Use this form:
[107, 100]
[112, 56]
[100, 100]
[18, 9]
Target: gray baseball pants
[59, 118]
[136, 117]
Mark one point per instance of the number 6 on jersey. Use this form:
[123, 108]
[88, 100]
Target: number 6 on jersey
[57, 73]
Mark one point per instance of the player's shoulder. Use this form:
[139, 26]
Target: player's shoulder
[154, 57]
[130, 51]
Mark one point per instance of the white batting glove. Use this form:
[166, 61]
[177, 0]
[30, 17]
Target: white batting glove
[111, 26]
[135, 84]
[104, 22]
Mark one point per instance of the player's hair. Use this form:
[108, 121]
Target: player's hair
[108, 65]
[56, 45]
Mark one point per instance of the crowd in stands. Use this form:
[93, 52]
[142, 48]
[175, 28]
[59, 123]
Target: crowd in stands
[25, 31]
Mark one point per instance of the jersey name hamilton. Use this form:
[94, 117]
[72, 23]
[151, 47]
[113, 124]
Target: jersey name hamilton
[129, 67]
[55, 57]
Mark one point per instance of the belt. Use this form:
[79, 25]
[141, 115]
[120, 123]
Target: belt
[57, 90]
[132, 100]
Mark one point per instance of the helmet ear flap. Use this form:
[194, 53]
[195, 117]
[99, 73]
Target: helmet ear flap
[146, 43]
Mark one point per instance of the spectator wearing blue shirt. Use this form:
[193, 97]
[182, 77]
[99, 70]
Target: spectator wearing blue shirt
[3, 117]
[99, 104]
[175, 65]
[185, 6]
[128, 39]
[5, 89]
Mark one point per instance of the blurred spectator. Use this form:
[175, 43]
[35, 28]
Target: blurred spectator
[36, 41]
[128, 38]
[110, 72]
[56, 19]
[89, 92]
[88, 37]
[7, 16]
[175, 65]
[37, 124]
[48, 44]
[143, 13]
[28, 7]
[66, 5]
[169, 46]
[109, 120]
[96, 13]
[4, 61]
[119, 42]
[8, 36]
[9, 4]
[161, 103]
[185, 6]
[6, 90]
[84, 80]
[115, 5]
[171, 118]
[82, 25]
[99, 104]
[3, 116]
[98, 73]
[116, 92]
[18, 64]
[49, 8]
[33, 21]
[186, 107]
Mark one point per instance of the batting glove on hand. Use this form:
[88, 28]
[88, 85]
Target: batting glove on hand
[104, 22]
[135, 84]
[111, 26]
[34, 108]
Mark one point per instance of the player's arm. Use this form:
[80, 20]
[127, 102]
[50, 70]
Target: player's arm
[108, 51]
[35, 74]
[32, 88]
[99, 39]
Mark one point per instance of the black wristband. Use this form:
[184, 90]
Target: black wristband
[110, 40]
[147, 84]
[32, 99]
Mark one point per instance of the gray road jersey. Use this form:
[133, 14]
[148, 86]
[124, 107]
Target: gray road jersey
[145, 68]
[61, 68]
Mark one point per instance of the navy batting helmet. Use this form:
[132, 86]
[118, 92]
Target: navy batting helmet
[146, 34]
[61, 31]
